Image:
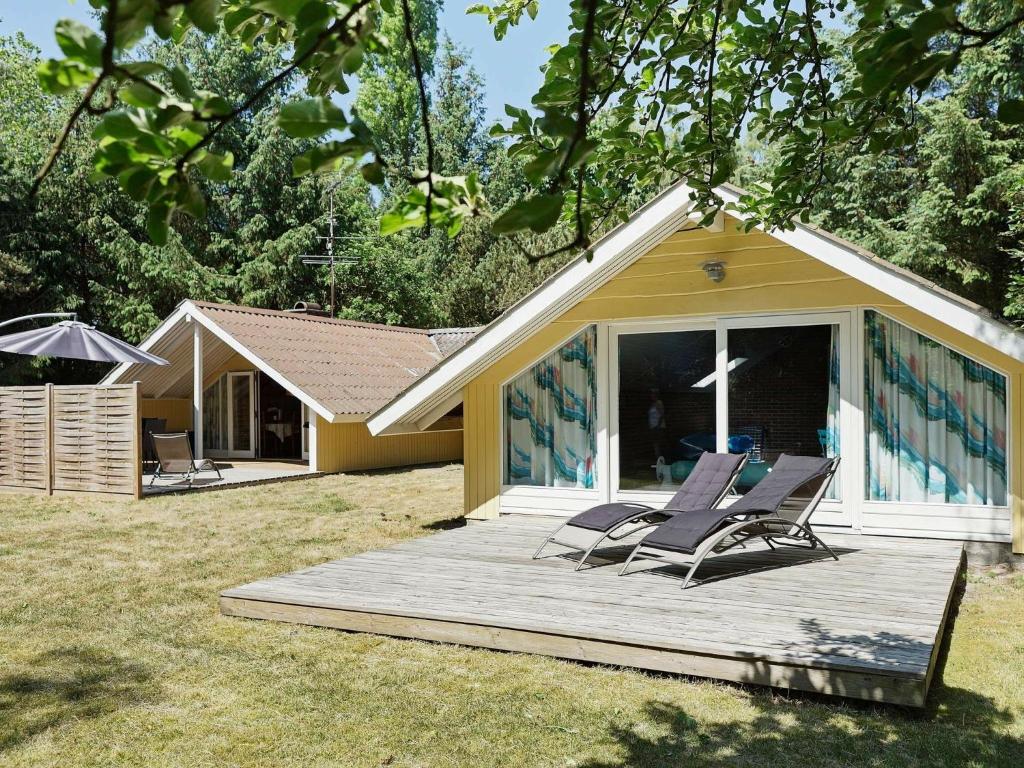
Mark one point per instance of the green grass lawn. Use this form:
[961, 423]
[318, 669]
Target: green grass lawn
[112, 652]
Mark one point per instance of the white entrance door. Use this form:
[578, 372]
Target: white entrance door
[230, 416]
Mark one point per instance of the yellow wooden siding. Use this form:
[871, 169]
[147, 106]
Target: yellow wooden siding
[350, 446]
[177, 412]
[762, 276]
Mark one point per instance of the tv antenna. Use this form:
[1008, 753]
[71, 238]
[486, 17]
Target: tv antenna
[330, 259]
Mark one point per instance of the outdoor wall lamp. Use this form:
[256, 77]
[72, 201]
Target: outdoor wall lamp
[715, 270]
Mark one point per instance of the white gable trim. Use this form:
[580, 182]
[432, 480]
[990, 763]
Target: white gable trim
[179, 313]
[906, 289]
[613, 253]
[188, 309]
[422, 402]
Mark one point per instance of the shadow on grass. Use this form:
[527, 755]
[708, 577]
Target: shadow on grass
[67, 684]
[445, 525]
[956, 727]
[965, 728]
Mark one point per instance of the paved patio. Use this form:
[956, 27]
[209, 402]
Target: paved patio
[235, 472]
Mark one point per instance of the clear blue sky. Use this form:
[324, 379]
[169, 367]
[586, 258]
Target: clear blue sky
[509, 68]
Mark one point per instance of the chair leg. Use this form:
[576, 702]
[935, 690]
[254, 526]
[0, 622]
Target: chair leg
[629, 560]
[541, 547]
[548, 540]
[590, 549]
[819, 540]
[689, 575]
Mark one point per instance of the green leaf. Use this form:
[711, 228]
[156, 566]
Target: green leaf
[1011, 111]
[538, 213]
[327, 157]
[395, 221]
[931, 23]
[158, 222]
[203, 14]
[79, 43]
[137, 182]
[284, 9]
[140, 95]
[373, 172]
[191, 200]
[311, 118]
[181, 83]
[63, 76]
[216, 167]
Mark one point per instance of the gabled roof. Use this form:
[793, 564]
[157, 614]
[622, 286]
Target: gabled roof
[440, 390]
[340, 368]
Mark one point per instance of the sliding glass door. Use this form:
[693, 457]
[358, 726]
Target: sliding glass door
[762, 386]
[665, 404]
[784, 389]
[229, 424]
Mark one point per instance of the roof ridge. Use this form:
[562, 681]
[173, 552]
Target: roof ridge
[307, 317]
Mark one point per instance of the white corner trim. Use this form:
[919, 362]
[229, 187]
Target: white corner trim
[613, 253]
[900, 287]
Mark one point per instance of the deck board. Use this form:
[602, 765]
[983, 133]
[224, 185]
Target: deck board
[867, 626]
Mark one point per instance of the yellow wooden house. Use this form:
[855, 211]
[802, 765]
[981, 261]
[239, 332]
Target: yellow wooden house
[295, 386]
[607, 381]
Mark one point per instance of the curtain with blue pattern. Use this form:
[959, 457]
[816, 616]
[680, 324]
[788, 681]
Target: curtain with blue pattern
[935, 420]
[550, 411]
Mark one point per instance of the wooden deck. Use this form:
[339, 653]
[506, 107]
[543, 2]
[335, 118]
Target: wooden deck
[866, 627]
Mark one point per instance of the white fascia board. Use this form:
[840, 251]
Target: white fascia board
[231, 341]
[900, 287]
[182, 310]
[613, 253]
[438, 411]
[348, 418]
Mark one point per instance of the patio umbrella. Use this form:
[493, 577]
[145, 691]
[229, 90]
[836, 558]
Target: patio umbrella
[71, 338]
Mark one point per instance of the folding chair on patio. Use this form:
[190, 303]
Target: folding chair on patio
[174, 457]
[711, 478]
[759, 514]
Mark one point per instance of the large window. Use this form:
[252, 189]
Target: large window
[550, 414]
[935, 421]
[666, 406]
[783, 395]
[215, 415]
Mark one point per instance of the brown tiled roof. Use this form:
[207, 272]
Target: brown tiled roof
[448, 340]
[347, 366]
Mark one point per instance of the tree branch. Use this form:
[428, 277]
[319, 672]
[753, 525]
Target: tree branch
[85, 105]
[219, 123]
[410, 37]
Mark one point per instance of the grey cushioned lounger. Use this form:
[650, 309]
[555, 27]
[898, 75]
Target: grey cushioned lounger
[712, 477]
[688, 539]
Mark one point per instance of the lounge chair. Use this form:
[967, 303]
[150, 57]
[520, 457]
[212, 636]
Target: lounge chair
[174, 457]
[688, 539]
[712, 477]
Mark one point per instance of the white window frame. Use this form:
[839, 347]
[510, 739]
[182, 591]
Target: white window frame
[231, 453]
[830, 512]
[936, 520]
[521, 498]
[980, 522]
[843, 512]
[615, 332]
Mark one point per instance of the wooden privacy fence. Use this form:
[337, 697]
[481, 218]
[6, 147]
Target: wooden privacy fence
[71, 438]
